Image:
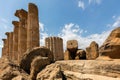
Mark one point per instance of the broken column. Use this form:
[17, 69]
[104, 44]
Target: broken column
[55, 44]
[72, 47]
[15, 39]
[33, 27]
[92, 52]
[22, 32]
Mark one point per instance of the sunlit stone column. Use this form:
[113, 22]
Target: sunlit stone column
[7, 44]
[15, 39]
[22, 32]
[33, 27]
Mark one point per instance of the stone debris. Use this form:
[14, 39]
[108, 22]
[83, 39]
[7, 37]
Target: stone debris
[51, 72]
[72, 52]
[92, 52]
[29, 56]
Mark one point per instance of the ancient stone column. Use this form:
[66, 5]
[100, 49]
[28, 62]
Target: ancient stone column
[15, 39]
[55, 44]
[11, 45]
[7, 44]
[33, 27]
[4, 47]
[22, 32]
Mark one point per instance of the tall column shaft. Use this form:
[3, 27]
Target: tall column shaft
[15, 39]
[22, 32]
[7, 44]
[11, 45]
[33, 27]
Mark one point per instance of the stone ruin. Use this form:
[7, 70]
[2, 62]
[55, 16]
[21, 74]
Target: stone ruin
[25, 36]
[24, 59]
[73, 52]
[55, 44]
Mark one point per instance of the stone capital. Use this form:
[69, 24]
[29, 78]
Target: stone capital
[3, 40]
[15, 23]
[7, 33]
[21, 13]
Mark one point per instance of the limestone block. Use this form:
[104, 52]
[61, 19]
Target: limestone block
[72, 45]
[92, 52]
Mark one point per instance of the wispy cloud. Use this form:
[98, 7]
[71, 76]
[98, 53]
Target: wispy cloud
[43, 34]
[116, 22]
[81, 4]
[41, 26]
[94, 1]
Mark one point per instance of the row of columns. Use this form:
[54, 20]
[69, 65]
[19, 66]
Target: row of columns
[25, 34]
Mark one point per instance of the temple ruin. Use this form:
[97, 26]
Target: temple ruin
[25, 34]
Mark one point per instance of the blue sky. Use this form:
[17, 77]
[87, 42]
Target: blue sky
[84, 20]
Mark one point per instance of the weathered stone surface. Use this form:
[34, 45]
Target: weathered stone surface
[111, 46]
[51, 72]
[92, 52]
[9, 70]
[29, 55]
[72, 45]
[93, 67]
[37, 65]
[33, 27]
[21, 78]
[55, 44]
[81, 76]
[67, 55]
[80, 54]
[7, 43]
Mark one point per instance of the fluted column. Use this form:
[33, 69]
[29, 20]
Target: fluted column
[22, 32]
[7, 44]
[11, 45]
[33, 27]
[15, 39]
[55, 44]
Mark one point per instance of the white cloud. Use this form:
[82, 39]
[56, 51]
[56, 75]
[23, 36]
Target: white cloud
[43, 34]
[94, 1]
[41, 26]
[81, 4]
[70, 31]
[117, 22]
